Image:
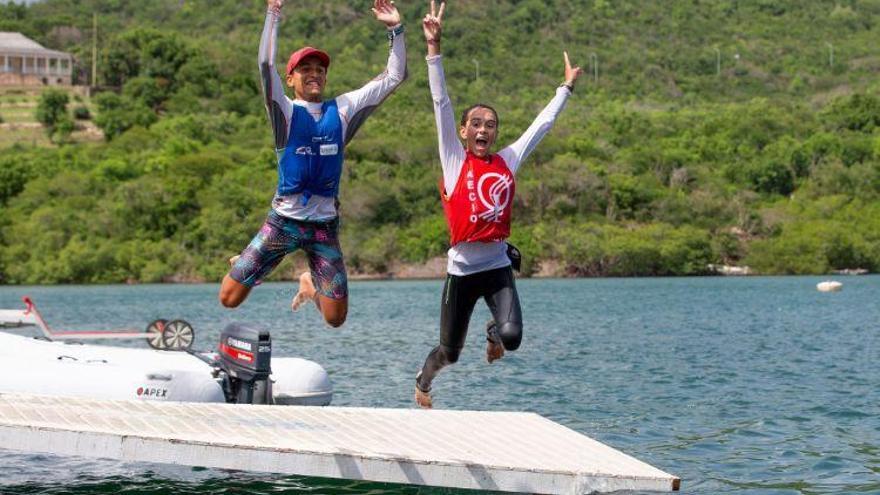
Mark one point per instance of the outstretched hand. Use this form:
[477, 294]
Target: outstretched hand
[571, 73]
[432, 24]
[276, 4]
[386, 12]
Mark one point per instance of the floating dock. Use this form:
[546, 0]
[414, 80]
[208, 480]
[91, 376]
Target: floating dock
[501, 451]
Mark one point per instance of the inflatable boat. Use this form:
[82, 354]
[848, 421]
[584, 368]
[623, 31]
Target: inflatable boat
[240, 371]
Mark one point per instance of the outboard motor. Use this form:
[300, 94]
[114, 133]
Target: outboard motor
[245, 355]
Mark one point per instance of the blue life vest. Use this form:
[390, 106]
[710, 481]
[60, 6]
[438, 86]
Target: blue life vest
[312, 162]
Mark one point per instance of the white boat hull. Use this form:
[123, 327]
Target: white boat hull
[35, 366]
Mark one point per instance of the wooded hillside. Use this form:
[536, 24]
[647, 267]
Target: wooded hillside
[727, 132]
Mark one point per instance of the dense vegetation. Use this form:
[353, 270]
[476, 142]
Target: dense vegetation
[661, 165]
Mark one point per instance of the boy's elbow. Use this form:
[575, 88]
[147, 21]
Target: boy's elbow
[397, 78]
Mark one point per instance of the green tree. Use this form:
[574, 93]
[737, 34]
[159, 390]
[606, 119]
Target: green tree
[52, 113]
[859, 112]
[117, 114]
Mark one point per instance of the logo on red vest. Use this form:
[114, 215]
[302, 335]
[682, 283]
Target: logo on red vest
[480, 206]
[494, 193]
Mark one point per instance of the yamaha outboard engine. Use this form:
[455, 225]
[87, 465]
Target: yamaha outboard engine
[245, 355]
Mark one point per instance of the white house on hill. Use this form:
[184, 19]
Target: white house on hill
[24, 62]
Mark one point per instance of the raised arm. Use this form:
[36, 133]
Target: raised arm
[451, 151]
[517, 152]
[356, 106]
[278, 106]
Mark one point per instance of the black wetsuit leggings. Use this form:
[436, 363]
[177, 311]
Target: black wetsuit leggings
[460, 294]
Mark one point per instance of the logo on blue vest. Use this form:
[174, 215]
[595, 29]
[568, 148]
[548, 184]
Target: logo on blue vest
[329, 149]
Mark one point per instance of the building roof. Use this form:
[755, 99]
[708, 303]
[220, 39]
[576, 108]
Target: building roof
[15, 43]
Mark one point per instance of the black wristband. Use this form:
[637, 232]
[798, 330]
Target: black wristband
[570, 88]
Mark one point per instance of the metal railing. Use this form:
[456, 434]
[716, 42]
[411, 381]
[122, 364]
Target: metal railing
[39, 71]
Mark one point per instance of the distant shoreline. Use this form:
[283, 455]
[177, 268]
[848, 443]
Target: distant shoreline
[435, 269]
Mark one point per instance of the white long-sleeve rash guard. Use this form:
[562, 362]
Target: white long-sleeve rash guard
[354, 108]
[466, 258]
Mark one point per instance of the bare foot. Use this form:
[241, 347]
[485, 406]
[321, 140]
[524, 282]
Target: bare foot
[494, 351]
[306, 292]
[423, 399]
[233, 260]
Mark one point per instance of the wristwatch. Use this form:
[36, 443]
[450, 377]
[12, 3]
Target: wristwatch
[393, 33]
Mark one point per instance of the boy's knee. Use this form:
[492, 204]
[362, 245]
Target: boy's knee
[230, 299]
[232, 292]
[335, 321]
[333, 311]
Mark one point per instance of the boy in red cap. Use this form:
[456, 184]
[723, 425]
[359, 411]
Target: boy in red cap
[310, 138]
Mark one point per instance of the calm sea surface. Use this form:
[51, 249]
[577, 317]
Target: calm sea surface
[737, 385]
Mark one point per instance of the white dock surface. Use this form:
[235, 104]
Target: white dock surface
[504, 451]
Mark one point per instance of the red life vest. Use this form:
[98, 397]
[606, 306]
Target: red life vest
[480, 206]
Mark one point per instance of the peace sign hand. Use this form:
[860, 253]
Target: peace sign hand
[433, 23]
[386, 12]
[571, 73]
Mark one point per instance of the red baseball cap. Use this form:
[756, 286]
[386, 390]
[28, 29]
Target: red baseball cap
[307, 51]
